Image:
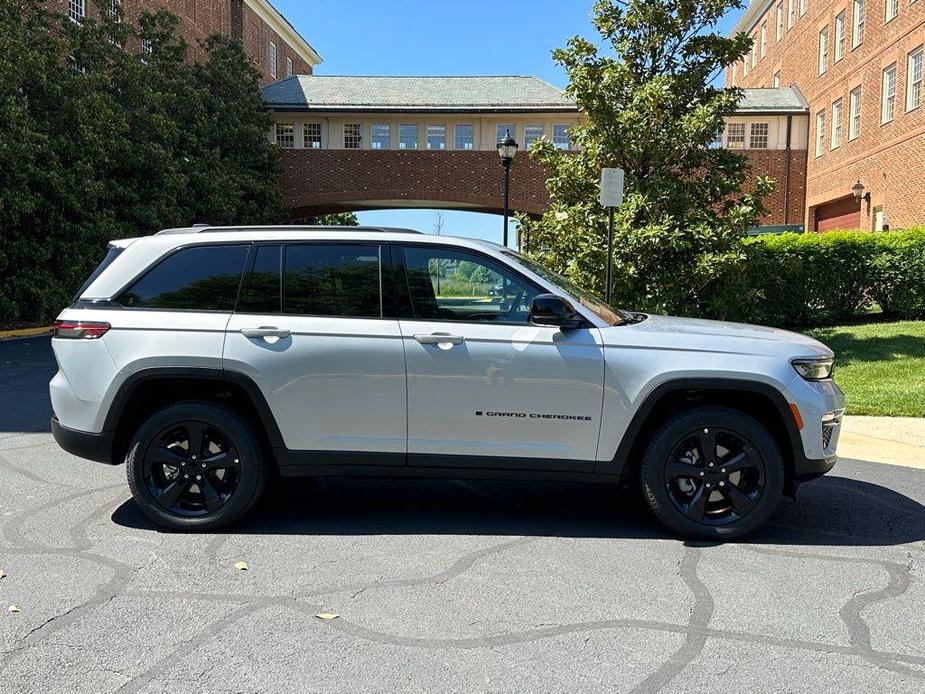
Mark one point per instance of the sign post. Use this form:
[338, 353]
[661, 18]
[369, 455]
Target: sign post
[611, 197]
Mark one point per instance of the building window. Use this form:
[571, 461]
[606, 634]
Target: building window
[732, 74]
[465, 136]
[891, 10]
[839, 36]
[146, 49]
[823, 49]
[311, 135]
[888, 95]
[502, 129]
[745, 67]
[914, 80]
[380, 136]
[285, 135]
[754, 51]
[271, 59]
[780, 20]
[758, 136]
[436, 136]
[857, 23]
[353, 135]
[777, 79]
[820, 133]
[717, 140]
[836, 124]
[764, 37]
[560, 136]
[790, 13]
[854, 113]
[532, 133]
[408, 136]
[113, 10]
[288, 67]
[76, 10]
[802, 7]
[735, 136]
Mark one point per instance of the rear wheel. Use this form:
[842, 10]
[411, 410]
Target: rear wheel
[713, 473]
[195, 466]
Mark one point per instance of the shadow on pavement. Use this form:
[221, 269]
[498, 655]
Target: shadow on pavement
[26, 367]
[834, 511]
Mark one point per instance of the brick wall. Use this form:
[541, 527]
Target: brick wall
[886, 158]
[322, 181]
[773, 163]
[256, 35]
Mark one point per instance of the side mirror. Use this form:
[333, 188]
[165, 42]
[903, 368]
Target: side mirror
[549, 309]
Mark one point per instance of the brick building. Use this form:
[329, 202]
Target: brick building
[273, 44]
[353, 143]
[859, 65]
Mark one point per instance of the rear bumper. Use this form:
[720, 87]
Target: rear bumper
[96, 447]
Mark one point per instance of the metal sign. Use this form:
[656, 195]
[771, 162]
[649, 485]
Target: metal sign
[611, 187]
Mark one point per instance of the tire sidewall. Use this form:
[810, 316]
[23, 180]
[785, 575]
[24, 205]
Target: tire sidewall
[251, 471]
[652, 472]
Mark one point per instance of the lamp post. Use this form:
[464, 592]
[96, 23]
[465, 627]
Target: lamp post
[858, 190]
[507, 148]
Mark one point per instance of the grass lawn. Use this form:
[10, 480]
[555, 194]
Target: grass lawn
[880, 366]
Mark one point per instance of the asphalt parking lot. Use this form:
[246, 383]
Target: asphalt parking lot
[444, 587]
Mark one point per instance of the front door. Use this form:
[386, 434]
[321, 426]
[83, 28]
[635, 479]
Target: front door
[309, 332]
[485, 387]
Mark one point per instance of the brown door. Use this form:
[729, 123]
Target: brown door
[840, 214]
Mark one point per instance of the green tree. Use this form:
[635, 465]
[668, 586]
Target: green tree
[98, 141]
[651, 110]
[337, 219]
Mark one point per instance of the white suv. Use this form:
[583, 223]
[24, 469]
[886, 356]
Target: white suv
[207, 357]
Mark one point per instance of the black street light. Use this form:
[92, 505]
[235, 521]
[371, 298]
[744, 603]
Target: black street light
[507, 148]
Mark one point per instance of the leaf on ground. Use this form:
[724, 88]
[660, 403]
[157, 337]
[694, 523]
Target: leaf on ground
[14, 608]
[240, 565]
[327, 615]
[2, 573]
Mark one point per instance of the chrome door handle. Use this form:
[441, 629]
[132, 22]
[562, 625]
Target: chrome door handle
[438, 338]
[265, 331]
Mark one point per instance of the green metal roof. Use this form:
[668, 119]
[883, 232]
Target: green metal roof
[772, 100]
[377, 94]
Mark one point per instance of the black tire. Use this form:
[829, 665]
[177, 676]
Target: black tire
[699, 500]
[232, 475]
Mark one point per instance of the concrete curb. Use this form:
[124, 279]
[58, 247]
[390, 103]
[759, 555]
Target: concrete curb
[25, 332]
[889, 440]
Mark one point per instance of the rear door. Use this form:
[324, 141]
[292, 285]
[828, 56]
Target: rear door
[486, 388]
[309, 331]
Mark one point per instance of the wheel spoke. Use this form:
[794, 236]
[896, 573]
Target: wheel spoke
[168, 495]
[742, 503]
[741, 461]
[678, 469]
[707, 445]
[195, 432]
[168, 457]
[212, 498]
[218, 461]
[697, 507]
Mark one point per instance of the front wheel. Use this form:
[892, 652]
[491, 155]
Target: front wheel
[195, 466]
[712, 473]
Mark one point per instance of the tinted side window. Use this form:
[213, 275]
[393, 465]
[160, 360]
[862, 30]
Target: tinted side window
[204, 278]
[332, 280]
[261, 290]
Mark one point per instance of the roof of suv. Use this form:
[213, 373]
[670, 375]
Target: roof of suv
[208, 229]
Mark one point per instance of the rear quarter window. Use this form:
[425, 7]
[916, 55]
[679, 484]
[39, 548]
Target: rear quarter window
[204, 278]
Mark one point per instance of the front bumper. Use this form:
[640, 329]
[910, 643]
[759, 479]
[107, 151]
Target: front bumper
[806, 469]
[96, 447]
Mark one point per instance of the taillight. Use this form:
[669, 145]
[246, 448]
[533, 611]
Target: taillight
[80, 329]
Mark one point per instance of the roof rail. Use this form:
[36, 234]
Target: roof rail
[206, 229]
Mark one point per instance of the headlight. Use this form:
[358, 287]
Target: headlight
[814, 369]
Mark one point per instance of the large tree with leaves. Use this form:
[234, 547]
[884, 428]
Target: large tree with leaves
[651, 110]
[99, 141]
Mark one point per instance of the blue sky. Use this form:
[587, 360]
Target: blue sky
[418, 37]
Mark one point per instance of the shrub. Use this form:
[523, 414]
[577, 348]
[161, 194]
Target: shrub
[821, 279]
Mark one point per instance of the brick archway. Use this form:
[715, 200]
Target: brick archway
[319, 181]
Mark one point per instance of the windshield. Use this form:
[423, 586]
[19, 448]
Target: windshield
[612, 316]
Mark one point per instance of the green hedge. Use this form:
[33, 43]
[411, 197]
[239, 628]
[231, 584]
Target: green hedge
[824, 279]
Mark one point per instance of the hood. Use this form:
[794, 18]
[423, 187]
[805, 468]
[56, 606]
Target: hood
[695, 334]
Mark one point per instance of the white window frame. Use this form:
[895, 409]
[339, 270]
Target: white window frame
[914, 70]
[114, 10]
[858, 19]
[823, 49]
[779, 20]
[854, 114]
[353, 131]
[281, 137]
[745, 67]
[764, 37]
[776, 80]
[435, 130]
[802, 7]
[373, 144]
[835, 138]
[839, 51]
[560, 136]
[732, 74]
[311, 135]
[76, 10]
[890, 10]
[467, 146]
[736, 131]
[888, 95]
[405, 127]
[288, 66]
[820, 133]
[758, 132]
[754, 51]
[272, 58]
[533, 126]
[502, 128]
[790, 14]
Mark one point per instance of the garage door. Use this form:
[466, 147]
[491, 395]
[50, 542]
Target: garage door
[841, 214]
